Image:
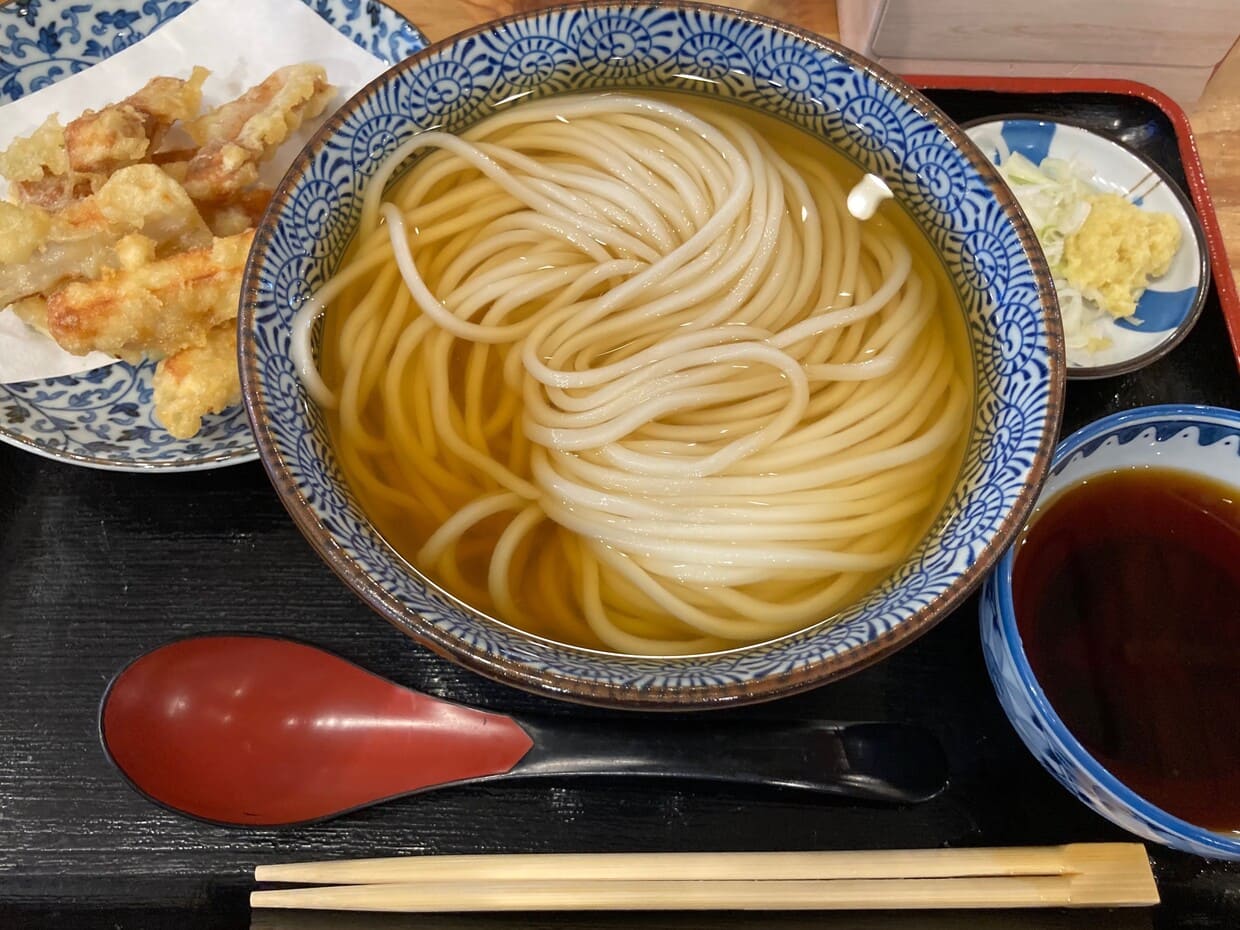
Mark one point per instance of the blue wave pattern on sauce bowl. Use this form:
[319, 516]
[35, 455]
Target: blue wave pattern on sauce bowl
[104, 418]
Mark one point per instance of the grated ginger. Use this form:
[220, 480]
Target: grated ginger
[1116, 251]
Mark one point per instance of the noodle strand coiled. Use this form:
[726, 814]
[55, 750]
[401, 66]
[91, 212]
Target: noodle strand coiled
[627, 374]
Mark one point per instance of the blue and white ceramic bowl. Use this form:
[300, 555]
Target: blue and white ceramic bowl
[105, 418]
[1170, 306]
[1201, 440]
[943, 181]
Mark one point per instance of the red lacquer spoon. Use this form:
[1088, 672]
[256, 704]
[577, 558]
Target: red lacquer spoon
[259, 731]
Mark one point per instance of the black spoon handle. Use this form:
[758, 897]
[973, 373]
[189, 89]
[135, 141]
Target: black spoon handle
[890, 762]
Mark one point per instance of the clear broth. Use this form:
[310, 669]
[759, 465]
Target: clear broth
[407, 531]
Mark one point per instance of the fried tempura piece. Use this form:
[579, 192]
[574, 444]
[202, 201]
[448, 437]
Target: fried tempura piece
[142, 198]
[198, 381]
[40, 251]
[52, 193]
[236, 136]
[155, 306]
[37, 155]
[112, 138]
[37, 168]
[262, 117]
[33, 312]
[22, 231]
[125, 133]
[174, 162]
[227, 217]
[165, 100]
[239, 214]
[76, 242]
[55, 165]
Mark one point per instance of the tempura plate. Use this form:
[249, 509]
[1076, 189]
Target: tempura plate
[105, 418]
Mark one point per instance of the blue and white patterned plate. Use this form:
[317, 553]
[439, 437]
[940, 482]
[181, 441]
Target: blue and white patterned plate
[104, 418]
[1201, 440]
[1170, 306]
[880, 123]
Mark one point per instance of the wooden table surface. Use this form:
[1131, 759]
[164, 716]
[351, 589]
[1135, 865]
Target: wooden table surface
[1215, 119]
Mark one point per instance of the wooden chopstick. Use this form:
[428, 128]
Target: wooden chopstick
[1076, 875]
[713, 866]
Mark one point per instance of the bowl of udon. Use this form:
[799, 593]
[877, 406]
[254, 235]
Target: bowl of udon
[651, 355]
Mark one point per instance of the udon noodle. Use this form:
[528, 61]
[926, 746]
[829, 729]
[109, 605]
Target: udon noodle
[622, 371]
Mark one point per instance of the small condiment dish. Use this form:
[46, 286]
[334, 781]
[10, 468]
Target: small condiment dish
[1170, 306]
[1203, 442]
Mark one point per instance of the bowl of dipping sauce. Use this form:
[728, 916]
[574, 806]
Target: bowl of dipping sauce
[566, 351]
[1111, 628]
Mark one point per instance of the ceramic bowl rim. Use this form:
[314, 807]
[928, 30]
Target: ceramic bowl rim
[548, 681]
[1015, 646]
[131, 466]
[1204, 267]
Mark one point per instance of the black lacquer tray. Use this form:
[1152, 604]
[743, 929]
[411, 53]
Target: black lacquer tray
[96, 567]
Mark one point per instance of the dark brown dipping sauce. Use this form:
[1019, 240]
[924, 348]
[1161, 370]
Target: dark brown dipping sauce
[1127, 597]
